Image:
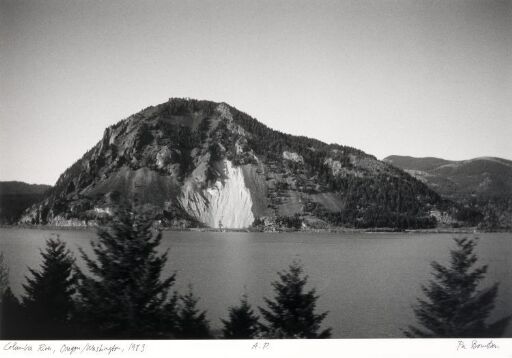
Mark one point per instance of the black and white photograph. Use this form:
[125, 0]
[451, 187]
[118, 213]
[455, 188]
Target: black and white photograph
[258, 171]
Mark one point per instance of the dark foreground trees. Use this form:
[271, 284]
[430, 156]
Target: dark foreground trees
[4, 275]
[242, 323]
[11, 325]
[48, 303]
[46, 310]
[454, 306]
[191, 323]
[292, 312]
[124, 296]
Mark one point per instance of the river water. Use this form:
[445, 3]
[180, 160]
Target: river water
[367, 281]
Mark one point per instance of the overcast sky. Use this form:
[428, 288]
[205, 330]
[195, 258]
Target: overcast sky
[419, 78]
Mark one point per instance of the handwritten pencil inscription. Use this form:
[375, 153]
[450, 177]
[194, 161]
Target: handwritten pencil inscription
[476, 345]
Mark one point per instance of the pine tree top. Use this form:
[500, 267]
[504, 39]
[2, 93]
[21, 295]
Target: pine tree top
[54, 284]
[291, 314]
[191, 322]
[454, 306]
[242, 323]
[126, 296]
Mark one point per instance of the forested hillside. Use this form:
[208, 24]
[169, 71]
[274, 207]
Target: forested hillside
[481, 186]
[201, 163]
[17, 196]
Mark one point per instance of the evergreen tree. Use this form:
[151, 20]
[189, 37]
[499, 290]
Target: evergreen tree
[454, 306]
[125, 296]
[48, 301]
[191, 323]
[292, 312]
[242, 323]
[11, 319]
[4, 276]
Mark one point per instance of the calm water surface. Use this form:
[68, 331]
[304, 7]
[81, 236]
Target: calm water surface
[367, 281]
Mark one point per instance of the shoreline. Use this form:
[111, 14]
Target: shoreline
[335, 230]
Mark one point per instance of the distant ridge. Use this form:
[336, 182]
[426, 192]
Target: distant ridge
[412, 163]
[483, 183]
[16, 196]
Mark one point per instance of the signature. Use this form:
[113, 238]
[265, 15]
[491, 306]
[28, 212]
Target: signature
[476, 345]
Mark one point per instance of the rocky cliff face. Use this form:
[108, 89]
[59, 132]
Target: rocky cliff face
[227, 202]
[200, 163]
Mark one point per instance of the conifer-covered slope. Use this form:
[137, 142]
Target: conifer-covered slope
[16, 196]
[201, 163]
[483, 184]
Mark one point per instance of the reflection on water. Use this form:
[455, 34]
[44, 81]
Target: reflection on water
[367, 281]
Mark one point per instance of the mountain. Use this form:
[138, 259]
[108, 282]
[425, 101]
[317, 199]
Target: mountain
[17, 196]
[201, 163]
[484, 183]
[412, 163]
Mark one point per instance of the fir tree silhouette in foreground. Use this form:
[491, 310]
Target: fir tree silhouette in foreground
[190, 322]
[4, 276]
[48, 302]
[11, 319]
[125, 296]
[242, 323]
[12, 324]
[454, 306]
[292, 312]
